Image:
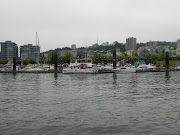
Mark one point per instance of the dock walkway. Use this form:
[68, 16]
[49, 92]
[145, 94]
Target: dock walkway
[100, 71]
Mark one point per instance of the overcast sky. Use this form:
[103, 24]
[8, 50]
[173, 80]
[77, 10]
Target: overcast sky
[60, 23]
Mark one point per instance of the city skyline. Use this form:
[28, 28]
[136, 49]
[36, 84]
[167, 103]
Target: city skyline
[63, 23]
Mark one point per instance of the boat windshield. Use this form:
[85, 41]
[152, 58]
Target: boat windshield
[84, 61]
[81, 61]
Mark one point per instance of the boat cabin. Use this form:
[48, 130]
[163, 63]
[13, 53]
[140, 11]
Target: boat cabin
[83, 63]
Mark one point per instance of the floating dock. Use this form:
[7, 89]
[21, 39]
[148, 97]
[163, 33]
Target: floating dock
[100, 71]
[29, 71]
[139, 71]
[157, 70]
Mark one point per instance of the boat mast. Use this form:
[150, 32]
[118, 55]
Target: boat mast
[36, 39]
[37, 42]
[86, 54]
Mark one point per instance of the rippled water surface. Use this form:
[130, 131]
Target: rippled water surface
[110, 104]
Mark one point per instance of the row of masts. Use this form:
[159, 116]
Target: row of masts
[37, 42]
[37, 39]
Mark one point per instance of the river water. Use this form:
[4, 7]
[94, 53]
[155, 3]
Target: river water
[110, 104]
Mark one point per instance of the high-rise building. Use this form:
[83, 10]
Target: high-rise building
[105, 44]
[9, 50]
[73, 46]
[30, 52]
[131, 44]
[152, 44]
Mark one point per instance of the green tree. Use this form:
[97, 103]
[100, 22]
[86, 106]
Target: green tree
[161, 55]
[67, 57]
[134, 55]
[60, 59]
[153, 56]
[144, 54]
[3, 62]
[26, 62]
[42, 58]
[96, 58]
[18, 62]
[110, 58]
[178, 56]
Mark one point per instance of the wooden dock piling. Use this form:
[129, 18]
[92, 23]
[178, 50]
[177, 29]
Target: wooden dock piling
[14, 64]
[114, 59]
[167, 60]
[55, 63]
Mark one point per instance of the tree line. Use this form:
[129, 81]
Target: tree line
[102, 59]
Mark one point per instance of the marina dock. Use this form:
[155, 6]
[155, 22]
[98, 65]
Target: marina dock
[100, 71]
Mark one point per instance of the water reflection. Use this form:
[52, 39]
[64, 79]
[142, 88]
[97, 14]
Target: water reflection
[55, 76]
[80, 77]
[90, 104]
[133, 80]
[114, 78]
[167, 76]
[55, 81]
[14, 73]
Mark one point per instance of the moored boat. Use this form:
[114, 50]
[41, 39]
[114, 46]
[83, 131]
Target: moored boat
[80, 66]
[124, 69]
[145, 67]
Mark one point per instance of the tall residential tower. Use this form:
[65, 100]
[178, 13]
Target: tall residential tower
[9, 50]
[30, 52]
[131, 44]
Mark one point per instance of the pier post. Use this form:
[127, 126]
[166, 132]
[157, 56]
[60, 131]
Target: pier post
[167, 60]
[14, 64]
[55, 62]
[114, 59]
[120, 64]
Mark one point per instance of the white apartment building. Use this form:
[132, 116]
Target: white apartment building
[9, 50]
[131, 44]
[73, 46]
[152, 44]
[152, 50]
[105, 44]
[30, 52]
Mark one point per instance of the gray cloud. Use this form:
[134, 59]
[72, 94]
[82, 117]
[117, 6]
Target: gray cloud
[60, 23]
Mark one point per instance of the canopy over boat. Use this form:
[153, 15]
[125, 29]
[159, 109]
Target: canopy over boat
[82, 64]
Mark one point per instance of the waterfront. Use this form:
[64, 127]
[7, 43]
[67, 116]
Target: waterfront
[127, 104]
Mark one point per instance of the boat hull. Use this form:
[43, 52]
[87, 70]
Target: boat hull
[79, 71]
[124, 71]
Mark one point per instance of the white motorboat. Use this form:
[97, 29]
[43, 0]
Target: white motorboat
[146, 67]
[48, 67]
[124, 69]
[177, 67]
[76, 62]
[151, 67]
[80, 66]
[76, 70]
[142, 67]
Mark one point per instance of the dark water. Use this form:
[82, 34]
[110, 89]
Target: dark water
[110, 104]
